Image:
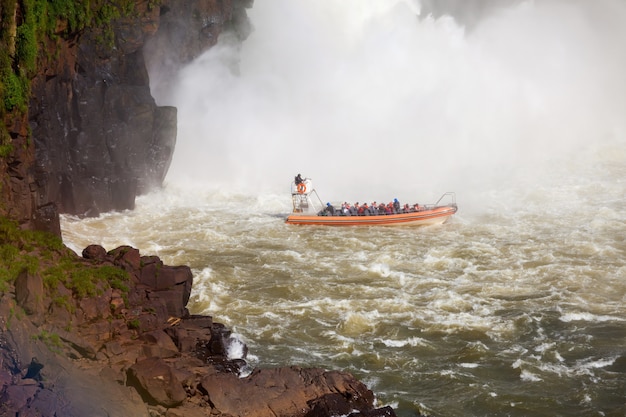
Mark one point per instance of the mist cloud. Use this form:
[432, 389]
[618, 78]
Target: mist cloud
[374, 101]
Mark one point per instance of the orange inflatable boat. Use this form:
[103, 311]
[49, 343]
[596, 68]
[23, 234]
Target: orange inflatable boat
[308, 209]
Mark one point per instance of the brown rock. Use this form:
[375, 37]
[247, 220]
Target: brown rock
[284, 392]
[96, 307]
[172, 299]
[29, 292]
[127, 257]
[95, 252]
[148, 275]
[185, 411]
[156, 382]
[17, 396]
[328, 405]
[159, 344]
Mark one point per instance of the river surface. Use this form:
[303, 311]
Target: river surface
[514, 307]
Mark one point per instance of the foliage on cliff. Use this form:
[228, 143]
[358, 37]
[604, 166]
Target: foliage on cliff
[24, 28]
[43, 253]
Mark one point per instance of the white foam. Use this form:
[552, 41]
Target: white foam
[236, 347]
[590, 317]
[529, 376]
[469, 365]
[588, 365]
[412, 341]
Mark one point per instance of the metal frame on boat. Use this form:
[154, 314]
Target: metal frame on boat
[308, 209]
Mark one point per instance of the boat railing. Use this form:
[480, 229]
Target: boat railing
[306, 201]
[448, 199]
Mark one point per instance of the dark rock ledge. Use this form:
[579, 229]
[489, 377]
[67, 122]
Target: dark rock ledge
[134, 350]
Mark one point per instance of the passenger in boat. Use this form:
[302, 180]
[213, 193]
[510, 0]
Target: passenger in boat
[382, 209]
[329, 210]
[354, 210]
[406, 208]
[416, 207]
[389, 208]
[345, 209]
[374, 209]
[396, 205]
[299, 179]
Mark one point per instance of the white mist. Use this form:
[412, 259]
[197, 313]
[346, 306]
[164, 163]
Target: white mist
[374, 101]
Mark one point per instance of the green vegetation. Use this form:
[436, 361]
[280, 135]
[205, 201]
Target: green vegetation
[17, 251]
[24, 28]
[153, 3]
[17, 315]
[134, 324]
[44, 253]
[52, 340]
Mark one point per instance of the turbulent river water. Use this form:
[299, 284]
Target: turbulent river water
[515, 307]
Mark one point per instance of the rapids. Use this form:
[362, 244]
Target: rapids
[516, 306]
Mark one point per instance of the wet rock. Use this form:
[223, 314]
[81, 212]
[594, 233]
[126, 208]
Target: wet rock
[379, 412]
[284, 392]
[46, 218]
[188, 29]
[328, 405]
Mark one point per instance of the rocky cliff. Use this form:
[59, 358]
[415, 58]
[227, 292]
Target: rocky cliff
[92, 137]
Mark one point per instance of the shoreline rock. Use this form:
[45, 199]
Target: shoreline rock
[137, 351]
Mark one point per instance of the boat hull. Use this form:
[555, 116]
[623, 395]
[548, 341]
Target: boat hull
[436, 215]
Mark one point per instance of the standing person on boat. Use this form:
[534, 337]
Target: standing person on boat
[299, 179]
[396, 205]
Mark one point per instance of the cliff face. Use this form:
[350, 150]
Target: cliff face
[94, 138]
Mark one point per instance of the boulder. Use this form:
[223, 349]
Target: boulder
[288, 392]
[159, 344]
[95, 252]
[156, 382]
